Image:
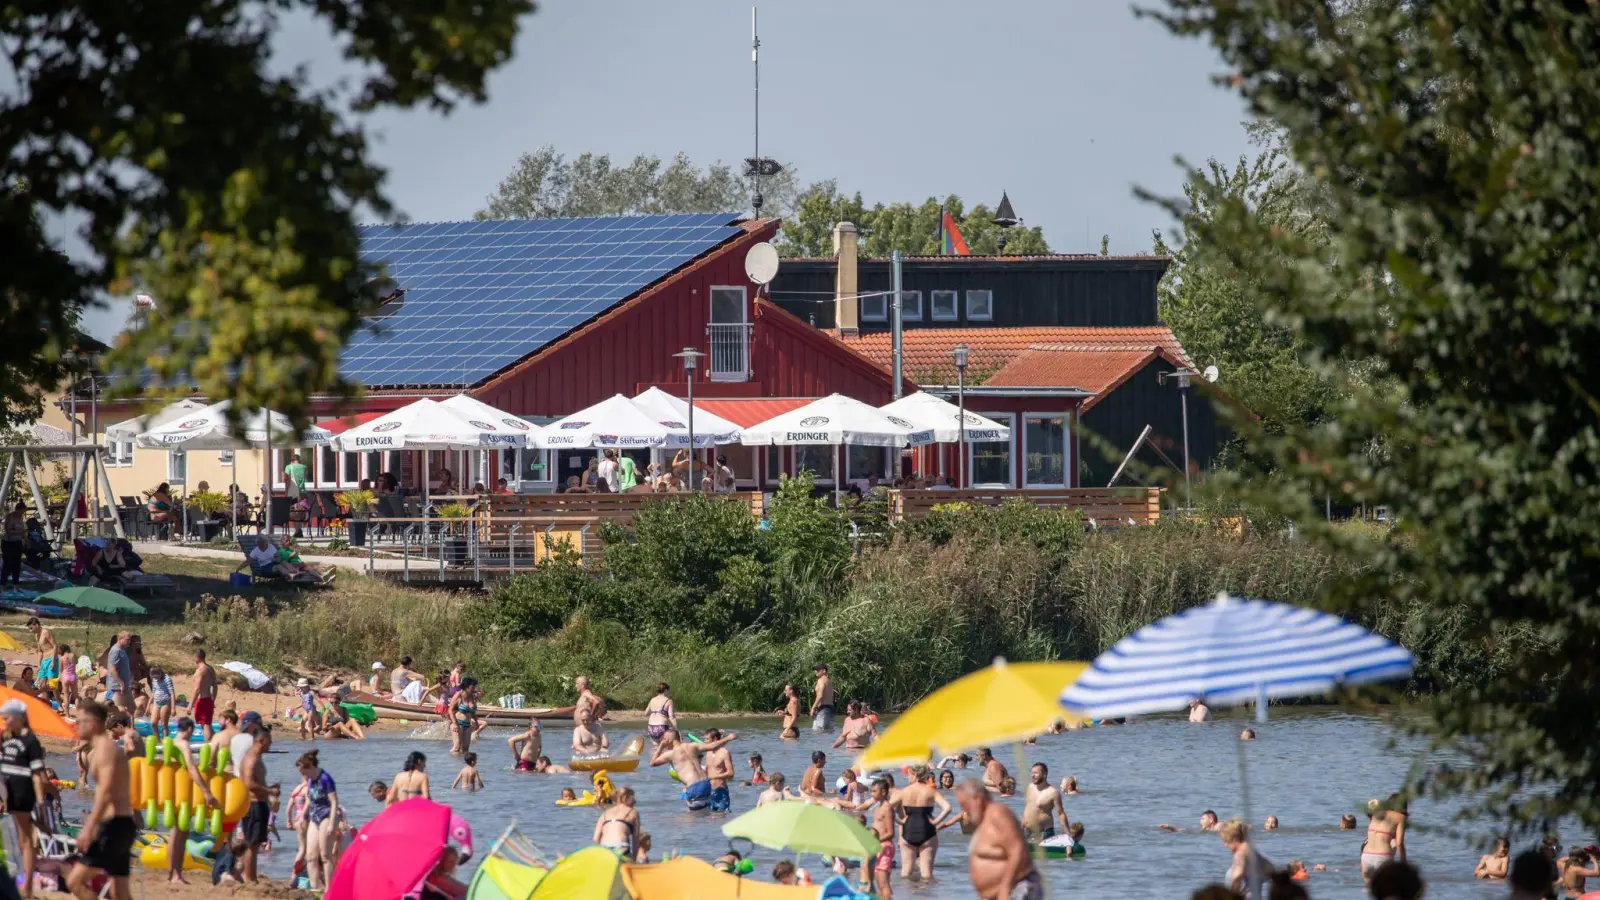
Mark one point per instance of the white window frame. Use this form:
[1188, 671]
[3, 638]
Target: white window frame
[320, 479]
[909, 313]
[1009, 419]
[1066, 450]
[880, 298]
[339, 461]
[225, 457]
[173, 476]
[119, 453]
[988, 314]
[366, 464]
[514, 480]
[955, 306]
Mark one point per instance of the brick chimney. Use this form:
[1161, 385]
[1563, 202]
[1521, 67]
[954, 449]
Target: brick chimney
[846, 306]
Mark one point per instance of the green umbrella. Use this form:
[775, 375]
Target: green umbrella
[806, 828]
[97, 599]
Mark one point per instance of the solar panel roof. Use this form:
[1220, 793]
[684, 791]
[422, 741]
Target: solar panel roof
[481, 295]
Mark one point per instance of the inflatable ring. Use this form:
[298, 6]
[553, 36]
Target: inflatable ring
[626, 760]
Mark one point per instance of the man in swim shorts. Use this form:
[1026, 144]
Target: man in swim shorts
[204, 693]
[527, 746]
[719, 769]
[997, 857]
[685, 759]
[105, 842]
[1043, 805]
[587, 713]
[822, 700]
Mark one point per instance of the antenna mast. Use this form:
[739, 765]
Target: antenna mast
[757, 166]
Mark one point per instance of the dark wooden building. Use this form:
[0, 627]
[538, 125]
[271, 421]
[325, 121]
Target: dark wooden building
[1061, 348]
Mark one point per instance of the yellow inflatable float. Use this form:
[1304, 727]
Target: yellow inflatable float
[160, 783]
[625, 761]
[600, 796]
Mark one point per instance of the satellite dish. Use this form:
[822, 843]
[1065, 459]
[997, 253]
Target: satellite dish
[1211, 374]
[761, 263]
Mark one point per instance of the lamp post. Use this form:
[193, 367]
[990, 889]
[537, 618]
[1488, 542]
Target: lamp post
[1182, 378]
[959, 353]
[691, 361]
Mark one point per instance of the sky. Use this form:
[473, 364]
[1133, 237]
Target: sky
[1068, 105]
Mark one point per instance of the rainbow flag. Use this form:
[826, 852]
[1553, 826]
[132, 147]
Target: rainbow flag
[951, 243]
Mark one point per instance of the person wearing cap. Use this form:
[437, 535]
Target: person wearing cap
[310, 721]
[249, 726]
[375, 684]
[822, 700]
[22, 764]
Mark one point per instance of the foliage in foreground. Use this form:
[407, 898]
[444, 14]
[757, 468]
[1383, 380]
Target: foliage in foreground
[210, 177]
[1455, 146]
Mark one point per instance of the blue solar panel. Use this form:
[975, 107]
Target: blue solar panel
[481, 295]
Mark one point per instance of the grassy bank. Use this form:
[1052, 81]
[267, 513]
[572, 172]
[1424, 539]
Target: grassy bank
[699, 597]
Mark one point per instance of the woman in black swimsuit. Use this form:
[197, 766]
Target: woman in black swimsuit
[919, 825]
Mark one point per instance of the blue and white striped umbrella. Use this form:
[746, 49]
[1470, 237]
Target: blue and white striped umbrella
[1231, 652]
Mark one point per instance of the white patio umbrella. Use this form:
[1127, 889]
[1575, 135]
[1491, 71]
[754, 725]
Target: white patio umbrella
[1230, 652]
[836, 419]
[429, 425]
[613, 422]
[130, 429]
[924, 410]
[473, 408]
[208, 429]
[710, 429]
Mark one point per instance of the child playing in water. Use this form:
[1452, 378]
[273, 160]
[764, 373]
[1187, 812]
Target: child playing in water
[378, 791]
[468, 779]
[641, 850]
[568, 794]
[758, 775]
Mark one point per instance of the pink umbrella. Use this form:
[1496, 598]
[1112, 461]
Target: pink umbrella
[393, 853]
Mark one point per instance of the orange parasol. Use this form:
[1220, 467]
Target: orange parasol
[44, 721]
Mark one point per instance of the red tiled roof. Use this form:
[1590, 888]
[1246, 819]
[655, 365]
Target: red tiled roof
[1095, 370]
[925, 352]
[748, 411]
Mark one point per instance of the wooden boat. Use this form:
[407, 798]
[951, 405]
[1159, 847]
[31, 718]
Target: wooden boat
[387, 708]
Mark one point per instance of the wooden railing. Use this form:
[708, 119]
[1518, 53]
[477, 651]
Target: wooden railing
[1103, 506]
[598, 506]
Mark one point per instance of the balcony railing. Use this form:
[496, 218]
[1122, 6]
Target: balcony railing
[730, 352]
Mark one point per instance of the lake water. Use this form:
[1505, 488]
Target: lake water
[1308, 767]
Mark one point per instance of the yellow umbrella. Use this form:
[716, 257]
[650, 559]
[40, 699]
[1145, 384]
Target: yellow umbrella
[999, 704]
[7, 642]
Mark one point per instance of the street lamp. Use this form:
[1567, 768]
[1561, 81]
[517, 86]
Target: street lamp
[691, 361]
[959, 352]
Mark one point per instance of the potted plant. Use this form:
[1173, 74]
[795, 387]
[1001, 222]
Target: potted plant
[454, 533]
[211, 505]
[358, 505]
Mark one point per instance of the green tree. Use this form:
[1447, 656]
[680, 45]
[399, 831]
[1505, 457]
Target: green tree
[911, 229]
[546, 184]
[1211, 302]
[1455, 143]
[205, 178]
